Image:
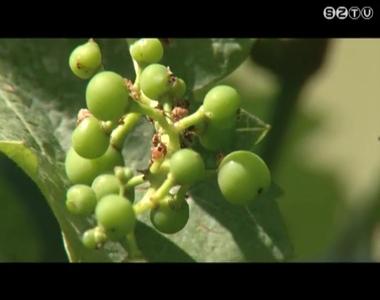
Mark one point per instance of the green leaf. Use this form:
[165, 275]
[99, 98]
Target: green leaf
[26, 138]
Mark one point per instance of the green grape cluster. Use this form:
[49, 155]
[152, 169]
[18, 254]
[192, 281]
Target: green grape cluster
[103, 187]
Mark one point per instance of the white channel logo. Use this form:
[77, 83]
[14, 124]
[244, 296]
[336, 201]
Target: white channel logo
[354, 13]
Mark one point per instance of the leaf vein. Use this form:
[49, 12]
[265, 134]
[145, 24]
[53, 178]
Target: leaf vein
[23, 121]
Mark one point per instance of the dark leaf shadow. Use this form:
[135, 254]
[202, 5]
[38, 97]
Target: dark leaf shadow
[157, 248]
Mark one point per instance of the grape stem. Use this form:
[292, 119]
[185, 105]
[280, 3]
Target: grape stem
[122, 190]
[136, 85]
[130, 245]
[163, 190]
[159, 116]
[155, 167]
[195, 118]
[109, 126]
[135, 181]
[145, 203]
[180, 196]
[138, 71]
[153, 197]
[253, 117]
[264, 133]
[167, 109]
[120, 134]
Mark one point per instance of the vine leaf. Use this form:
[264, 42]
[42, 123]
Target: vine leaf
[26, 138]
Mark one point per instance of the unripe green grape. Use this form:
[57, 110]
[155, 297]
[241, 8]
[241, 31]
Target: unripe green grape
[242, 177]
[178, 88]
[147, 51]
[106, 184]
[124, 174]
[99, 235]
[214, 138]
[80, 200]
[187, 166]
[80, 170]
[155, 81]
[221, 103]
[116, 215]
[169, 219]
[86, 60]
[109, 184]
[89, 240]
[107, 96]
[89, 139]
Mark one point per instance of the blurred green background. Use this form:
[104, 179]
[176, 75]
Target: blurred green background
[328, 164]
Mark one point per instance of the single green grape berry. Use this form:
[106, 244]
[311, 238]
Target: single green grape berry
[155, 81]
[242, 177]
[109, 184]
[187, 166]
[81, 200]
[147, 51]
[214, 138]
[107, 96]
[89, 140]
[80, 170]
[124, 174]
[106, 184]
[116, 215]
[221, 103]
[99, 235]
[177, 88]
[89, 240]
[86, 60]
[170, 220]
